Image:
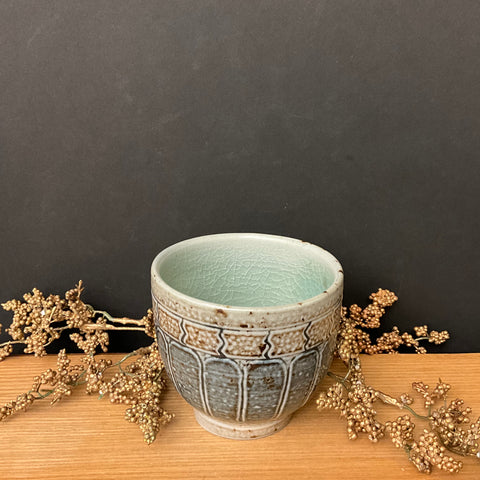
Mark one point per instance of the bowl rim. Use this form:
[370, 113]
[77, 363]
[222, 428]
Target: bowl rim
[333, 290]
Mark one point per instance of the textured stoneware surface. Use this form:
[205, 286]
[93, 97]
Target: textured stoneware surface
[246, 324]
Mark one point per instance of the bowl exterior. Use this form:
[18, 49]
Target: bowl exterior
[238, 372]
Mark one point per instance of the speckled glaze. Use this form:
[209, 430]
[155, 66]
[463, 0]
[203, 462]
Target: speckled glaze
[246, 324]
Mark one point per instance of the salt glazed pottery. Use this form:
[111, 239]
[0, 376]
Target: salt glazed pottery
[246, 324]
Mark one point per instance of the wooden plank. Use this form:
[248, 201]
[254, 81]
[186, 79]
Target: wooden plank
[85, 437]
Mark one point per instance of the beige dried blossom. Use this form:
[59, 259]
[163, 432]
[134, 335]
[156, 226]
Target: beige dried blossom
[455, 429]
[400, 430]
[355, 400]
[438, 337]
[149, 323]
[421, 331]
[383, 297]
[423, 390]
[38, 321]
[140, 386]
[429, 452]
[406, 399]
[90, 339]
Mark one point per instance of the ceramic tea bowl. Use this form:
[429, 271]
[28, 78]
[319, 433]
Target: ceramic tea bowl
[246, 324]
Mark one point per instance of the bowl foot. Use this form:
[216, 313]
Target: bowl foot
[240, 431]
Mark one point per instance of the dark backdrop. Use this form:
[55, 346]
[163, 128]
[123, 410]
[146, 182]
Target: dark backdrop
[126, 126]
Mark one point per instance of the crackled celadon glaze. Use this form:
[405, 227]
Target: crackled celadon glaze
[246, 272]
[246, 324]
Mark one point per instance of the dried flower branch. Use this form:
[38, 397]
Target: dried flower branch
[38, 321]
[355, 400]
[140, 386]
[138, 380]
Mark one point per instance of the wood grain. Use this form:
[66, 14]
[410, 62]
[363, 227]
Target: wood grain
[83, 437]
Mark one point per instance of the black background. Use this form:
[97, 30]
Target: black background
[128, 126]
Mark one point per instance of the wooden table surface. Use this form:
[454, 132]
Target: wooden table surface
[83, 437]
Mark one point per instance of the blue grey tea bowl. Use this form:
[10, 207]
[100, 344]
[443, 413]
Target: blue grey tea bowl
[246, 324]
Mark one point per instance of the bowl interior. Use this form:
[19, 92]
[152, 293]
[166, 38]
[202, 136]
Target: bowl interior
[247, 270]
